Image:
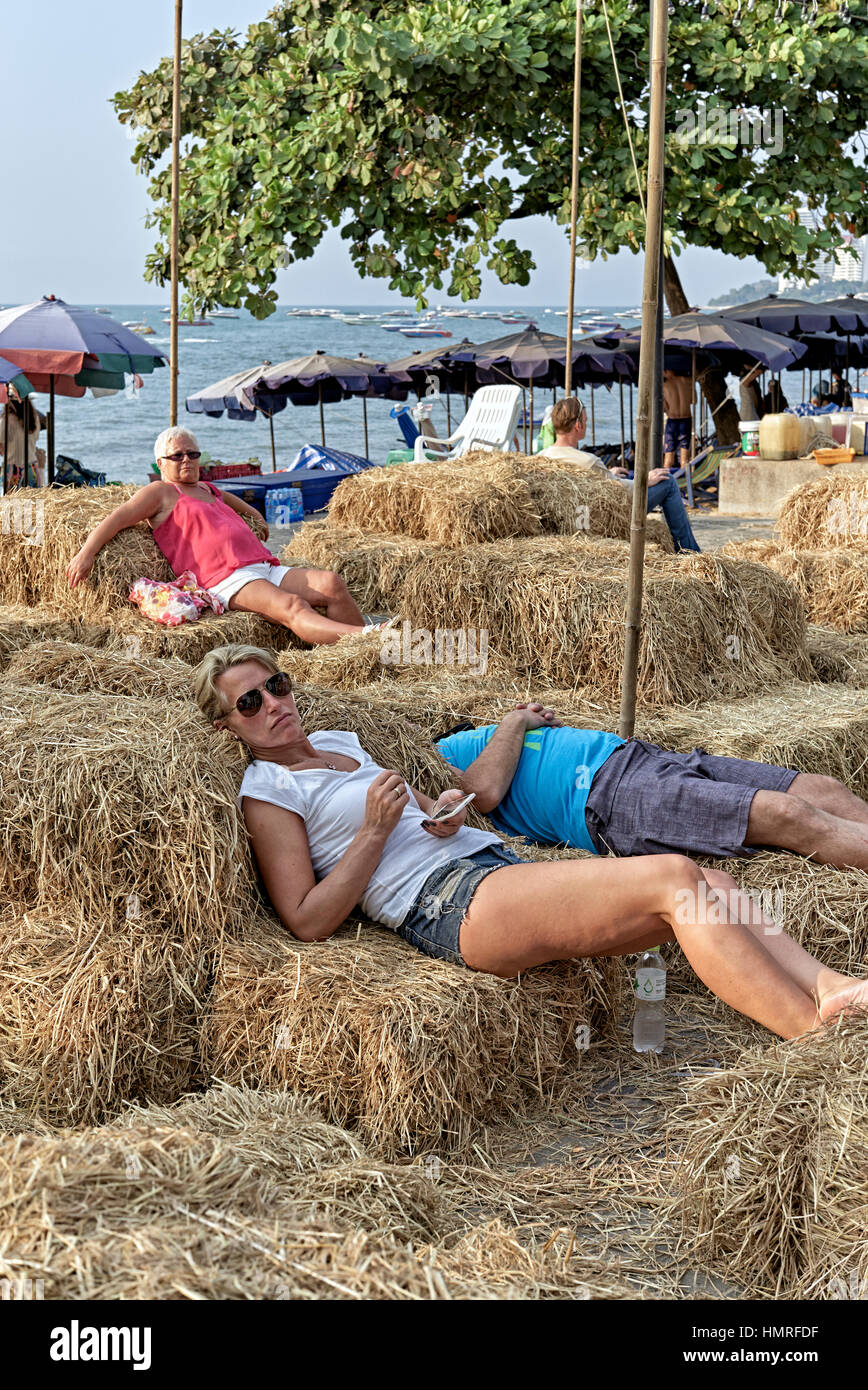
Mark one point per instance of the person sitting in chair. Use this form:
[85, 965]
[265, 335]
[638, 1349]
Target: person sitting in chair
[569, 421]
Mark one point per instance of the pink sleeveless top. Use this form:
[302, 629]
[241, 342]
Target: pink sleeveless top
[208, 538]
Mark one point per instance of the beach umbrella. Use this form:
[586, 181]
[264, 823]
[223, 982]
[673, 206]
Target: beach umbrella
[453, 371]
[56, 342]
[731, 340]
[318, 378]
[231, 395]
[13, 382]
[788, 316]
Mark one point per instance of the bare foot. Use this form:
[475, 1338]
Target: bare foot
[855, 996]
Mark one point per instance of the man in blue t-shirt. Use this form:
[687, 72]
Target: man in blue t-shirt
[592, 790]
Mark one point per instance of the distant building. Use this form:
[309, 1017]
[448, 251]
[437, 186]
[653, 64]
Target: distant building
[843, 265]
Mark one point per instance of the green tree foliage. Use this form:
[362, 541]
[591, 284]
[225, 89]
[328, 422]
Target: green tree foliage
[427, 130]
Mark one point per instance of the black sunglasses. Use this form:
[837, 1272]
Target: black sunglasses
[193, 454]
[250, 702]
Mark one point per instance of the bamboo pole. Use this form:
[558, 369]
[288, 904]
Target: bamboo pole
[648, 361]
[176, 176]
[574, 200]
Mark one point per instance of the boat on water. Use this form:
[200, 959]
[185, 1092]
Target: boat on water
[223, 314]
[512, 318]
[191, 323]
[426, 330]
[102, 311]
[310, 313]
[144, 328]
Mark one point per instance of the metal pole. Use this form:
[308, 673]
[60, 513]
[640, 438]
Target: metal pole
[449, 413]
[6, 444]
[593, 423]
[365, 421]
[271, 431]
[24, 419]
[176, 176]
[574, 200]
[50, 440]
[693, 402]
[648, 359]
[621, 395]
[524, 416]
[321, 415]
[531, 413]
[630, 408]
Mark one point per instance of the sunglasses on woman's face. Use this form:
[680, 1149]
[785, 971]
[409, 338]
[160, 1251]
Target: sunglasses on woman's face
[250, 702]
[193, 454]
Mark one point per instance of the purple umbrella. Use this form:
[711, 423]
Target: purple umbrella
[786, 316]
[319, 377]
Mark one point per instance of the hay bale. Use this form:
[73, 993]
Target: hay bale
[95, 1011]
[129, 632]
[107, 797]
[773, 1158]
[20, 625]
[413, 1052]
[555, 608]
[371, 565]
[34, 557]
[838, 658]
[825, 514]
[444, 502]
[78, 669]
[833, 583]
[398, 654]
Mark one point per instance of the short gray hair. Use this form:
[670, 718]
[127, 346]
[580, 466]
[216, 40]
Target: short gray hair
[162, 441]
[215, 664]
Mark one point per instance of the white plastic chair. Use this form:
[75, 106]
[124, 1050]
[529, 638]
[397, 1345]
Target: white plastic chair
[490, 423]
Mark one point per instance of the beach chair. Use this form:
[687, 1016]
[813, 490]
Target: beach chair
[490, 423]
[702, 469]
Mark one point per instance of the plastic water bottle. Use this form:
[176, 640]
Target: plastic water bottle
[649, 1020]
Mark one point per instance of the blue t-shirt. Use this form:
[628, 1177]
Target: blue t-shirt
[546, 800]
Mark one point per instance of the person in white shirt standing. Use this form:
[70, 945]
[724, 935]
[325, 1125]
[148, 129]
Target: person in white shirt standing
[569, 421]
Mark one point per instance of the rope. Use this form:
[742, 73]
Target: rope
[624, 109]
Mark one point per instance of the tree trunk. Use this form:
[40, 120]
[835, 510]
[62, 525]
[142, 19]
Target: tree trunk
[713, 383]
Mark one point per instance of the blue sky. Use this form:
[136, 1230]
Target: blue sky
[74, 209]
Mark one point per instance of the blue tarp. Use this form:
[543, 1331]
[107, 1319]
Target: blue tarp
[317, 456]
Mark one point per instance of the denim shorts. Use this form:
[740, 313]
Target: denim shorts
[434, 921]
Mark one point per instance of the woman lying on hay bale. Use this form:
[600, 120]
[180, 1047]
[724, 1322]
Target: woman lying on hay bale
[594, 791]
[201, 529]
[331, 830]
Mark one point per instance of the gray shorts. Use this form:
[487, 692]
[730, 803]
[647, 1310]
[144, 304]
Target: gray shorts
[645, 800]
[434, 921]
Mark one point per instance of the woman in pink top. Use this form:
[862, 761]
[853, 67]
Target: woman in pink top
[200, 529]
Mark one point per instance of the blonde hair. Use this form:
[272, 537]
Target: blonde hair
[566, 413]
[162, 441]
[216, 664]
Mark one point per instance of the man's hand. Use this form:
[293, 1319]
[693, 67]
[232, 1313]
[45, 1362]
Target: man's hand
[79, 568]
[442, 829]
[658, 475]
[619, 472]
[535, 716]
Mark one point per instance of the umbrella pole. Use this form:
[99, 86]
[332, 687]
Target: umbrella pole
[593, 422]
[531, 413]
[693, 402]
[574, 200]
[648, 361]
[524, 413]
[449, 413]
[271, 432]
[365, 423]
[321, 416]
[176, 175]
[6, 445]
[630, 401]
[803, 386]
[621, 394]
[50, 471]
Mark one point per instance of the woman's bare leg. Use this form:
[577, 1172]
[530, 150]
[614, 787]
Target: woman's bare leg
[288, 609]
[527, 914]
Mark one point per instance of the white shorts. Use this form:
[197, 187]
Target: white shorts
[228, 587]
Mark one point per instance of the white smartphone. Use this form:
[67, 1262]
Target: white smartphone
[451, 809]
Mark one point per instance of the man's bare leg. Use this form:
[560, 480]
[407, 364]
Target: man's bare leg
[830, 795]
[785, 821]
